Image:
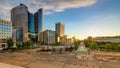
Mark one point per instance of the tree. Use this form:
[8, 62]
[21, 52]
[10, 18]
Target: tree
[109, 47]
[117, 48]
[87, 43]
[27, 44]
[10, 43]
[93, 46]
[90, 38]
[76, 43]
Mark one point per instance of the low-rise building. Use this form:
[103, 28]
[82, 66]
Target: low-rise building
[5, 32]
[64, 40]
[107, 39]
[47, 37]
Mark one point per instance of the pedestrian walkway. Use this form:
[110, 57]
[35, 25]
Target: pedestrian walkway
[82, 51]
[3, 65]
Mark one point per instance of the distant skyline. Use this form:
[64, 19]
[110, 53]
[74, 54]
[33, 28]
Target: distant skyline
[82, 18]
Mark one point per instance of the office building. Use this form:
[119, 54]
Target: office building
[47, 37]
[38, 22]
[112, 39]
[60, 30]
[19, 18]
[26, 25]
[38, 19]
[5, 32]
[41, 37]
[31, 27]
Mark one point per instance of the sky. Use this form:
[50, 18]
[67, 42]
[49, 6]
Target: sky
[82, 18]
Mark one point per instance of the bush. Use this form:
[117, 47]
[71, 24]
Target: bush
[93, 46]
[117, 48]
[109, 47]
[10, 43]
[76, 43]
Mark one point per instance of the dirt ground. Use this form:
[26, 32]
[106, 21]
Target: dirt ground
[38, 60]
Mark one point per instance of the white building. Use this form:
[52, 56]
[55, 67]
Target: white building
[5, 32]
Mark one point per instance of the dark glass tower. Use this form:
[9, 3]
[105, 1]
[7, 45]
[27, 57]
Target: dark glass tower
[31, 23]
[38, 20]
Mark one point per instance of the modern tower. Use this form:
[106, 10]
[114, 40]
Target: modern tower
[31, 27]
[19, 19]
[60, 30]
[19, 16]
[25, 24]
[38, 19]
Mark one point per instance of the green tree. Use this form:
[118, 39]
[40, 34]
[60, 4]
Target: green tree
[76, 44]
[90, 38]
[27, 44]
[87, 43]
[109, 47]
[93, 46]
[117, 48]
[19, 45]
[10, 43]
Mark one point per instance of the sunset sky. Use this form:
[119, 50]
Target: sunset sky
[82, 18]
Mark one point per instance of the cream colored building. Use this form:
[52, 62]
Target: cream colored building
[107, 39]
[60, 30]
[5, 32]
[47, 37]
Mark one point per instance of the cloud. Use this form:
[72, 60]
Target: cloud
[49, 6]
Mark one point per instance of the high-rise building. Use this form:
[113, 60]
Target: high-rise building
[5, 32]
[19, 18]
[60, 30]
[38, 18]
[31, 27]
[25, 24]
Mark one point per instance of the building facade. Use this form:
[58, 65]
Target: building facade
[26, 24]
[31, 27]
[19, 18]
[38, 18]
[60, 30]
[5, 32]
[38, 22]
[47, 37]
[113, 39]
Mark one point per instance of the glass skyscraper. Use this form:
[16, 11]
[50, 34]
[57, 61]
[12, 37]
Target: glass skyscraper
[38, 18]
[31, 24]
[31, 27]
[19, 35]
